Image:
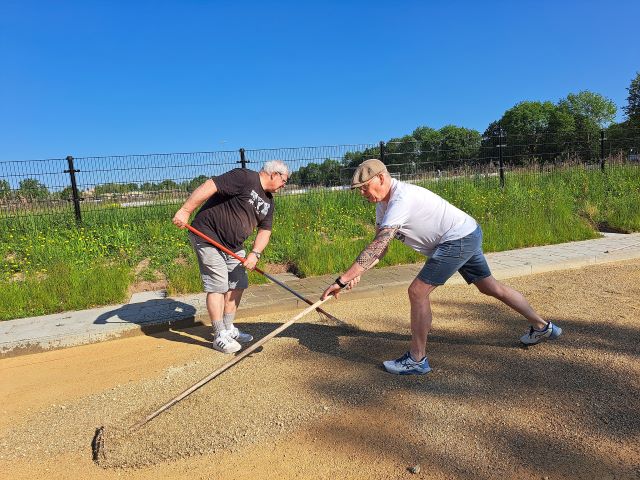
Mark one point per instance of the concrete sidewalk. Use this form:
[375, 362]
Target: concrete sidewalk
[151, 311]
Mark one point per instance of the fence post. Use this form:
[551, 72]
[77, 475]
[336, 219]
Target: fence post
[74, 188]
[500, 146]
[243, 160]
[382, 151]
[602, 139]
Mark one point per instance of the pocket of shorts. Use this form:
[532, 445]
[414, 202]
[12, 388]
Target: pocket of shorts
[451, 249]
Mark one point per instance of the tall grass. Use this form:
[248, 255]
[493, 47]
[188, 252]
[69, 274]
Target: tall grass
[48, 264]
[63, 287]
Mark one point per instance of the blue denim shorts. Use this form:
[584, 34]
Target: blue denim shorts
[463, 255]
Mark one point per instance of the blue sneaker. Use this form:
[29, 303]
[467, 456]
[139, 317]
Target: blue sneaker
[406, 365]
[533, 336]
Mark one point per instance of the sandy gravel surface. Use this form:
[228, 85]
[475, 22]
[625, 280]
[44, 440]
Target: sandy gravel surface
[315, 403]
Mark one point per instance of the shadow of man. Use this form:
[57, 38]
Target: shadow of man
[159, 317]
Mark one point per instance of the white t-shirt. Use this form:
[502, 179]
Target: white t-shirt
[425, 219]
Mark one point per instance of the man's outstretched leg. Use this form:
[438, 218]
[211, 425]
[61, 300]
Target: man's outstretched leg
[539, 330]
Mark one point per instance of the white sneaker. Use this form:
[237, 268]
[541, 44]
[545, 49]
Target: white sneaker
[238, 335]
[225, 344]
[533, 336]
[406, 365]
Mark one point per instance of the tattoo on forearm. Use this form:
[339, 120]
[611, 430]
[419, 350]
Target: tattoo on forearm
[375, 249]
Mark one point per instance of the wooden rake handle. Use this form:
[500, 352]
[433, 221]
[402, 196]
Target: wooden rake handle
[229, 364]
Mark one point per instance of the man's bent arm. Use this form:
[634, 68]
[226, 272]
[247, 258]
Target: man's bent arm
[371, 254]
[261, 241]
[197, 198]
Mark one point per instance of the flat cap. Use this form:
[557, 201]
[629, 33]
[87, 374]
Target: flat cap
[366, 171]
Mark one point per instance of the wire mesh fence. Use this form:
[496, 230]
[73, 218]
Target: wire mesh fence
[105, 189]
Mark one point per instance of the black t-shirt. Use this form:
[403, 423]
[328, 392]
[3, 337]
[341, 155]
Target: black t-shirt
[240, 205]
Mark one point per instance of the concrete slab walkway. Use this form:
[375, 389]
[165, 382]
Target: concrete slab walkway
[152, 311]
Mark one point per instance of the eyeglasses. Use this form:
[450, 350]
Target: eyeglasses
[284, 180]
[365, 186]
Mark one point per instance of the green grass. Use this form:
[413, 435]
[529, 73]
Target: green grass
[63, 287]
[48, 265]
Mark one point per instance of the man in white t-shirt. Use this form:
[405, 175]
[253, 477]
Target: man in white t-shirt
[452, 241]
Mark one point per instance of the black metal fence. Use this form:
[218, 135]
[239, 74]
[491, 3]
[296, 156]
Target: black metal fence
[73, 188]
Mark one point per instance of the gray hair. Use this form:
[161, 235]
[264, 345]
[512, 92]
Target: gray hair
[276, 166]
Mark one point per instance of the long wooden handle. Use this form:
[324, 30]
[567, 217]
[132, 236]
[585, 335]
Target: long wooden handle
[229, 364]
[274, 280]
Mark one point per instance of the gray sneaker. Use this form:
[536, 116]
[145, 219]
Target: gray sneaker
[406, 365]
[239, 336]
[533, 336]
[225, 344]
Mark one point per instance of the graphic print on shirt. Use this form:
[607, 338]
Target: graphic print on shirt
[262, 207]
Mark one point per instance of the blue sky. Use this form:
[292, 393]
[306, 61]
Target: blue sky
[126, 77]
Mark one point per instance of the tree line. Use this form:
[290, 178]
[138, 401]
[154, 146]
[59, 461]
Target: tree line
[529, 132]
[32, 189]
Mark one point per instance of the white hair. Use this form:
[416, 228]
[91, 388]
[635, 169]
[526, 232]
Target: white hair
[275, 166]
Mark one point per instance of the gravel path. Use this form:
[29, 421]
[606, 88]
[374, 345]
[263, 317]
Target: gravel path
[314, 402]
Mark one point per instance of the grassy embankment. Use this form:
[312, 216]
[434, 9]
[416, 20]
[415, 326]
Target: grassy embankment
[49, 265]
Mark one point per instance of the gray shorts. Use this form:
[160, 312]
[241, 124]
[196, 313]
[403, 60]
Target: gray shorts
[219, 271]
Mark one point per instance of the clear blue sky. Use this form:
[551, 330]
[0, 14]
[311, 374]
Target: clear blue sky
[123, 77]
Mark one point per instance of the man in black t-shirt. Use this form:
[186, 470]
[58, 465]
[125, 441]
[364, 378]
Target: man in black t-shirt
[235, 204]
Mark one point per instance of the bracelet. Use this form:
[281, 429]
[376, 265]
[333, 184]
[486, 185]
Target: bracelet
[257, 254]
[339, 283]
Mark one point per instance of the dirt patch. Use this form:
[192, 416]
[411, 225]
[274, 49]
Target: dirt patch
[141, 284]
[606, 228]
[314, 402]
[148, 286]
[181, 261]
[275, 268]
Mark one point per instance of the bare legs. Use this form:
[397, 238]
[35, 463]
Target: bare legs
[221, 303]
[421, 317]
[514, 299]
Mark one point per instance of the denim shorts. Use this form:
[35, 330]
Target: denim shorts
[463, 255]
[219, 271]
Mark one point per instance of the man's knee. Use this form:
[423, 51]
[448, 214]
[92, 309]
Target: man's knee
[418, 290]
[491, 287]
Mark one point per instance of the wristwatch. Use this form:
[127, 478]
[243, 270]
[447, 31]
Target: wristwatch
[339, 283]
[257, 254]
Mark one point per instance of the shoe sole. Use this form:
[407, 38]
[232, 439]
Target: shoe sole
[243, 341]
[237, 340]
[412, 372]
[230, 351]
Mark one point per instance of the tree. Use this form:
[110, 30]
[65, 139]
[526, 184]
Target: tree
[525, 127]
[632, 109]
[32, 189]
[5, 189]
[168, 185]
[196, 182]
[594, 108]
[66, 193]
[115, 188]
[401, 154]
[459, 144]
[527, 118]
[591, 113]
